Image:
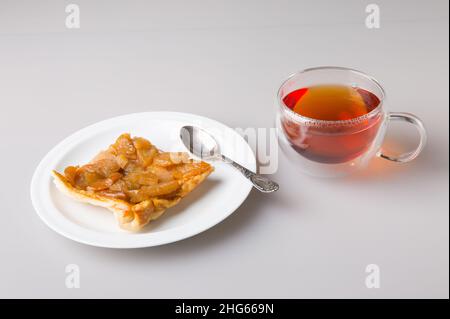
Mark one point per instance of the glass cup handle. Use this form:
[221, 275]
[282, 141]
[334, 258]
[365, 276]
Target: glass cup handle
[412, 119]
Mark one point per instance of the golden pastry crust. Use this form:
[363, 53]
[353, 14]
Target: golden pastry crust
[144, 202]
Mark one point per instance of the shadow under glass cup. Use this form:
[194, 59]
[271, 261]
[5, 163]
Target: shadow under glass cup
[330, 148]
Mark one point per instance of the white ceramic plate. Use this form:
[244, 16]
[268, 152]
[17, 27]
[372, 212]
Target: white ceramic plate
[214, 200]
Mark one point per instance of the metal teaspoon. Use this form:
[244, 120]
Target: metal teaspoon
[204, 146]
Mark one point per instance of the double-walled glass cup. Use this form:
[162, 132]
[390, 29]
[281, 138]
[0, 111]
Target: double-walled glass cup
[334, 148]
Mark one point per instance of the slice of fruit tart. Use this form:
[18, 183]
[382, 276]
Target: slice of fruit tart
[134, 180]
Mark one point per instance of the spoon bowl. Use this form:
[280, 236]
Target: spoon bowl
[200, 143]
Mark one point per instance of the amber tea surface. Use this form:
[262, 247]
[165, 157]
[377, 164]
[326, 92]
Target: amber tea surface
[335, 143]
[331, 102]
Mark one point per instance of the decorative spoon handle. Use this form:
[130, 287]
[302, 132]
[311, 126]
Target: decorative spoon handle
[261, 183]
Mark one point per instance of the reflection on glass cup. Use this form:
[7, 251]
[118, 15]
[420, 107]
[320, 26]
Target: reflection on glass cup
[331, 136]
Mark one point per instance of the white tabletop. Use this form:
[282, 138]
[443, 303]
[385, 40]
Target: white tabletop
[225, 60]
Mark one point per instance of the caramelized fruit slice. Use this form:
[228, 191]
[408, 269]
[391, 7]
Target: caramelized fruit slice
[124, 146]
[146, 192]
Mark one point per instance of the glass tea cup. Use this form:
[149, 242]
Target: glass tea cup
[330, 148]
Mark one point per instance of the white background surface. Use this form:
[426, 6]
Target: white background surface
[225, 60]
